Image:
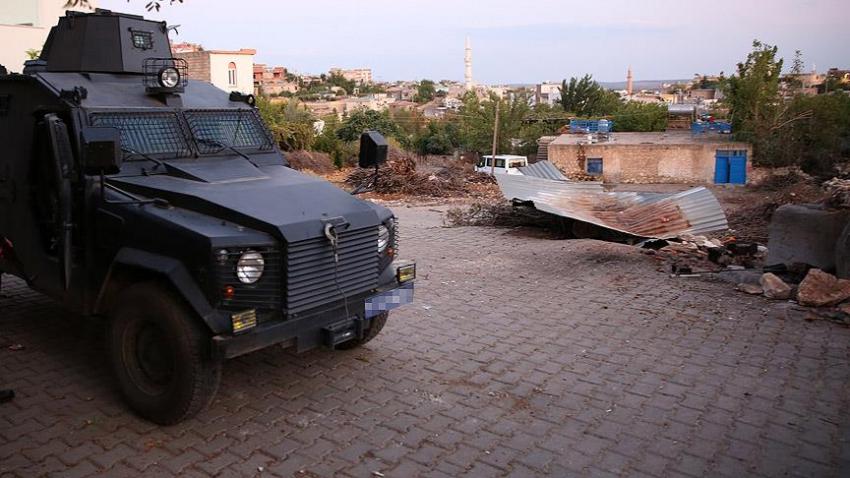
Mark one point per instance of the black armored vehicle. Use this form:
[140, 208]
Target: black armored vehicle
[132, 193]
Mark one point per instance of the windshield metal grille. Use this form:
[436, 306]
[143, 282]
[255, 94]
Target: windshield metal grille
[215, 130]
[147, 133]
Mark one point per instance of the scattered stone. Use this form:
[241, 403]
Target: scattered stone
[774, 287]
[735, 267]
[821, 289]
[752, 289]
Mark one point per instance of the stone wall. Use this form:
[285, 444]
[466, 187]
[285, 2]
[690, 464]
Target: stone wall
[645, 163]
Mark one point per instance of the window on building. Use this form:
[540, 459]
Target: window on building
[231, 74]
[594, 166]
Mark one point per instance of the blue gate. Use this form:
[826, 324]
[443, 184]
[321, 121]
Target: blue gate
[730, 167]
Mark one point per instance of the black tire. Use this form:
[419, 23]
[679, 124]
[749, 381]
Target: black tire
[375, 326]
[160, 355]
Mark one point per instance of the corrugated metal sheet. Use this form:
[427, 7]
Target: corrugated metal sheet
[663, 216]
[543, 169]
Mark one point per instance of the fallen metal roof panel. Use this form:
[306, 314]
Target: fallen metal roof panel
[663, 216]
[543, 169]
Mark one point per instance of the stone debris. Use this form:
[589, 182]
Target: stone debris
[821, 289]
[752, 289]
[774, 287]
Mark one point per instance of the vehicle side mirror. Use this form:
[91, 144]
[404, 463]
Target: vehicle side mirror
[373, 150]
[102, 150]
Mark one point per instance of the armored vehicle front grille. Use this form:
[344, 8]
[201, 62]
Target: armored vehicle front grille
[311, 277]
[264, 294]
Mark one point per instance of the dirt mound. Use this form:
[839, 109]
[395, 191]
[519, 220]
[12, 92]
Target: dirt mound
[319, 163]
[750, 210]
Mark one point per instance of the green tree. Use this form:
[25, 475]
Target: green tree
[585, 97]
[810, 131]
[363, 120]
[290, 123]
[753, 97]
[436, 138]
[542, 120]
[328, 142]
[477, 121]
[336, 79]
[640, 117]
[425, 91]
[33, 54]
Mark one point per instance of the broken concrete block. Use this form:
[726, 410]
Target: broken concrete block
[752, 289]
[842, 254]
[820, 289]
[806, 234]
[774, 287]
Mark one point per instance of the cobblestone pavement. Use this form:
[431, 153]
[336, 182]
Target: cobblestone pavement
[521, 356]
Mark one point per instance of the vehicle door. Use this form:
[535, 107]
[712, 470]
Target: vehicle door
[50, 265]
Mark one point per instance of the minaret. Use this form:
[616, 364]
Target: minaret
[629, 89]
[467, 61]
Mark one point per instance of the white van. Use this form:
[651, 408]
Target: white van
[505, 164]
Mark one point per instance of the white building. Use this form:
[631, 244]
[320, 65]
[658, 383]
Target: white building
[360, 76]
[547, 94]
[228, 70]
[24, 25]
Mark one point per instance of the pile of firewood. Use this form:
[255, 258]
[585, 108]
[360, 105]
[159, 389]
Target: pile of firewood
[400, 176]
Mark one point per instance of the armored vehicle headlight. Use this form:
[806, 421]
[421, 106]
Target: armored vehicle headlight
[383, 238]
[169, 77]
[250, 267]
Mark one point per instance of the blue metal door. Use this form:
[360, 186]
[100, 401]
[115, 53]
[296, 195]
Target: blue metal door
[721, 167]
[738, 167]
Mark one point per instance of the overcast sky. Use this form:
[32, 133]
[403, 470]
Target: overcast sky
[513, 41]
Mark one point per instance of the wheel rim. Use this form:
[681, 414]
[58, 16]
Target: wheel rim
[150, 358]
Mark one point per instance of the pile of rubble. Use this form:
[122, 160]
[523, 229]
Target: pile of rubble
[743, 264]
[693, 255]
[401, 176]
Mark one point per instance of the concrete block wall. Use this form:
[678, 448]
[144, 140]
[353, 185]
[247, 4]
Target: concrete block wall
[645, 163]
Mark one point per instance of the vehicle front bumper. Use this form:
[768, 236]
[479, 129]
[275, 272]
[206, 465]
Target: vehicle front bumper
[327, 326]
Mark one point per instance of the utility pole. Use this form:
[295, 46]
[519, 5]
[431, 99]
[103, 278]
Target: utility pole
[495, 140]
